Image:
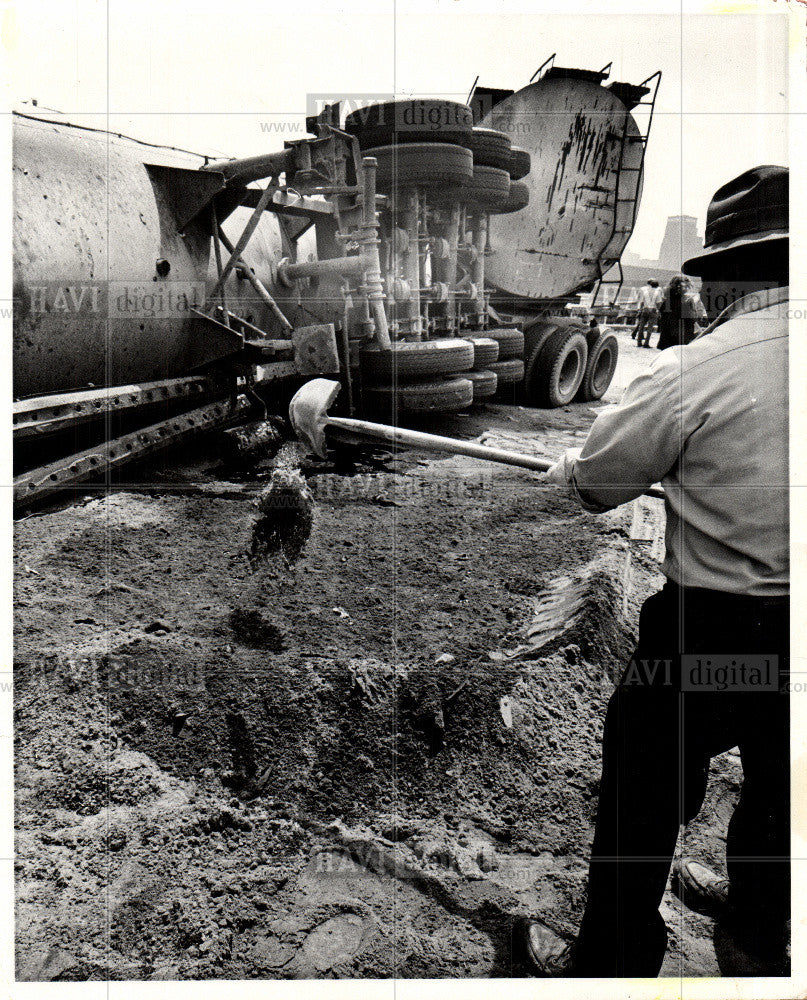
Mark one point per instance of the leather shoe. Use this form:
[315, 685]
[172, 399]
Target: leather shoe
[746, 943]
[546, 952]
[701, 889]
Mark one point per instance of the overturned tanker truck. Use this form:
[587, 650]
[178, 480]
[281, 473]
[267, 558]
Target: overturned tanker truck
[421, 250]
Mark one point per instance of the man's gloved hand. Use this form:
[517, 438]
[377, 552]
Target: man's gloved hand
[561, 472]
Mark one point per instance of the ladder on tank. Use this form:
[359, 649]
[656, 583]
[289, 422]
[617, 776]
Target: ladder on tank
[605, 263]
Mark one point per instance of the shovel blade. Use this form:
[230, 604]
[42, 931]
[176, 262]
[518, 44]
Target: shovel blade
[308, 412]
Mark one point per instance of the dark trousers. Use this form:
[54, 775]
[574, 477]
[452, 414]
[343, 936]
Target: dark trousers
[644, 321]
[658, 739]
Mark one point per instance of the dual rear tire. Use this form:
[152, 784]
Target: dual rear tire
[425, 376]
[600, 367]
[562, 367]
[555, 369]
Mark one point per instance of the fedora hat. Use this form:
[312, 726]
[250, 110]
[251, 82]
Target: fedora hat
[751, 209]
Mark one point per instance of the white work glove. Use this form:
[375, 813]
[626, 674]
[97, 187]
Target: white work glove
[561, 472]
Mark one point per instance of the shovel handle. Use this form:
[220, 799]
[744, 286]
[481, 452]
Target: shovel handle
[435, 442]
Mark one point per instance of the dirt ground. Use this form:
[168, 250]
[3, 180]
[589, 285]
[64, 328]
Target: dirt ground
[364, 764]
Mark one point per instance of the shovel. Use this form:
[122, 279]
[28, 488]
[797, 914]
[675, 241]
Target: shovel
[308, 412]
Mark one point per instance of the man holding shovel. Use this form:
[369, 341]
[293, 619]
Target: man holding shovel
[708, 421]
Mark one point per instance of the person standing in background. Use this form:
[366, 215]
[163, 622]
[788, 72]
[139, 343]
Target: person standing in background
[649, 300]
[681, 308]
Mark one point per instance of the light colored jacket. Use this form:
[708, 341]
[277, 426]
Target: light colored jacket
[708, 421]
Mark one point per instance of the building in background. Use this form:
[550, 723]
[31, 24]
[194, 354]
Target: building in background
[681, 241]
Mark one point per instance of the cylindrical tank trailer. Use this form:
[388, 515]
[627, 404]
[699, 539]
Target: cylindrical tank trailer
[421, 249]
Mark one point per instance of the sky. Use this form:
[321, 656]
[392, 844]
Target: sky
[188, 75]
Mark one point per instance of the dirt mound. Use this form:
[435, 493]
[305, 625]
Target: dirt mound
[364, 763]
